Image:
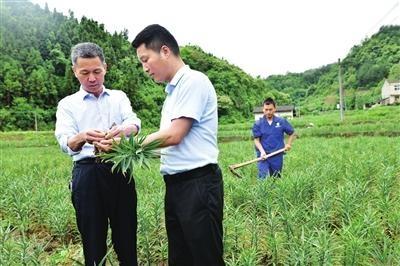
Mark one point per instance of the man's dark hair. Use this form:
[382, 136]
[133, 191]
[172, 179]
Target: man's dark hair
[154, 37]
[269, 101]
[86, 50]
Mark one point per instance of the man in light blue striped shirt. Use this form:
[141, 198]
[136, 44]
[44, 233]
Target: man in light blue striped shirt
[99, 196]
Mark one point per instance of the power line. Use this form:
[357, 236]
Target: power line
[384, 17]
[393, 20]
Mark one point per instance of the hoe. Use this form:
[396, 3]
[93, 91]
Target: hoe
[238, 165]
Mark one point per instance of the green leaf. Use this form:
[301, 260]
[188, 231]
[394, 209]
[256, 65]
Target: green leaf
[130, 153]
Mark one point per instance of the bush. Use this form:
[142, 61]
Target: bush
[7, 121]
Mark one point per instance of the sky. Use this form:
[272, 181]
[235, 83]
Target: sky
[262, 37]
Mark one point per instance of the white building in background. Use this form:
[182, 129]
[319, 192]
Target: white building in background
[390, 92]
[286, 111]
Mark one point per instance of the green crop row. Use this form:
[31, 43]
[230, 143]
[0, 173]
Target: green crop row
[337, 203]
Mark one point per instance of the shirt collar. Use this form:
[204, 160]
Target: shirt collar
[174, 81]
[84, 94]
[273, 118]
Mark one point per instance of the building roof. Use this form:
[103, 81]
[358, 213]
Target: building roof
[393, 81]
[282, 108]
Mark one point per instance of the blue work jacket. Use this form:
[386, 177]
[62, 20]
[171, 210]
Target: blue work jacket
[271, 136]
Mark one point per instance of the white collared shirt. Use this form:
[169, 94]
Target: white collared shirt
[82, 111]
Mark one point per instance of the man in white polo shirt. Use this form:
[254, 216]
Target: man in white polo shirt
[188, 132]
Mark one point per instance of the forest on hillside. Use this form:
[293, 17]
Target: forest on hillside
[35, 71]
[363, 70]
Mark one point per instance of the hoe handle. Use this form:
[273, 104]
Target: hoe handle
[238, 165]
[234, 166]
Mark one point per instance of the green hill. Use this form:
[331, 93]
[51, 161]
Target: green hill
[35, 71]
[363, 71]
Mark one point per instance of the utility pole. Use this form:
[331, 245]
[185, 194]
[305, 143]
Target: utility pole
[340, 92]
[36, 122]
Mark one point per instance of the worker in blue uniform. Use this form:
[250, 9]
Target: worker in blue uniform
[268, 134]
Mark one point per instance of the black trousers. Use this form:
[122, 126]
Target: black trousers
[193, 214]
[101, 197]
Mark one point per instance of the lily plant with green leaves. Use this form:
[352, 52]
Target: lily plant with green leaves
[129, 154]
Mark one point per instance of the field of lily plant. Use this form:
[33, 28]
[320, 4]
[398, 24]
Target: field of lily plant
[338, 202]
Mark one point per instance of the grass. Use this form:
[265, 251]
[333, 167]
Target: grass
[331, 206]
[337, 202]
[380, 121]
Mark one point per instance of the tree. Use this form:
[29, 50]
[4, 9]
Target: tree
[11, 76]
[370, 74]
[224, 105]
[23, 113]
[394, 73]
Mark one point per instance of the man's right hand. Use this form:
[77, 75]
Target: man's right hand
[263, 155]
[93, 135]
[76, 142]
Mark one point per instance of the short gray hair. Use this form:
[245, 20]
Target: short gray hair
[86, 50]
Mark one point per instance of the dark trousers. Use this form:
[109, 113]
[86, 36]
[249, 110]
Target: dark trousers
[193, 214]
[101, 197]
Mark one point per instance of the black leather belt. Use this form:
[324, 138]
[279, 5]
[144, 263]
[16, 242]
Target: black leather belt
[191, 174]
[89, 160]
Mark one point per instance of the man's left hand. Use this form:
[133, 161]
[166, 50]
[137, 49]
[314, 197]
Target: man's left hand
[115, 131]
[288, 147]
